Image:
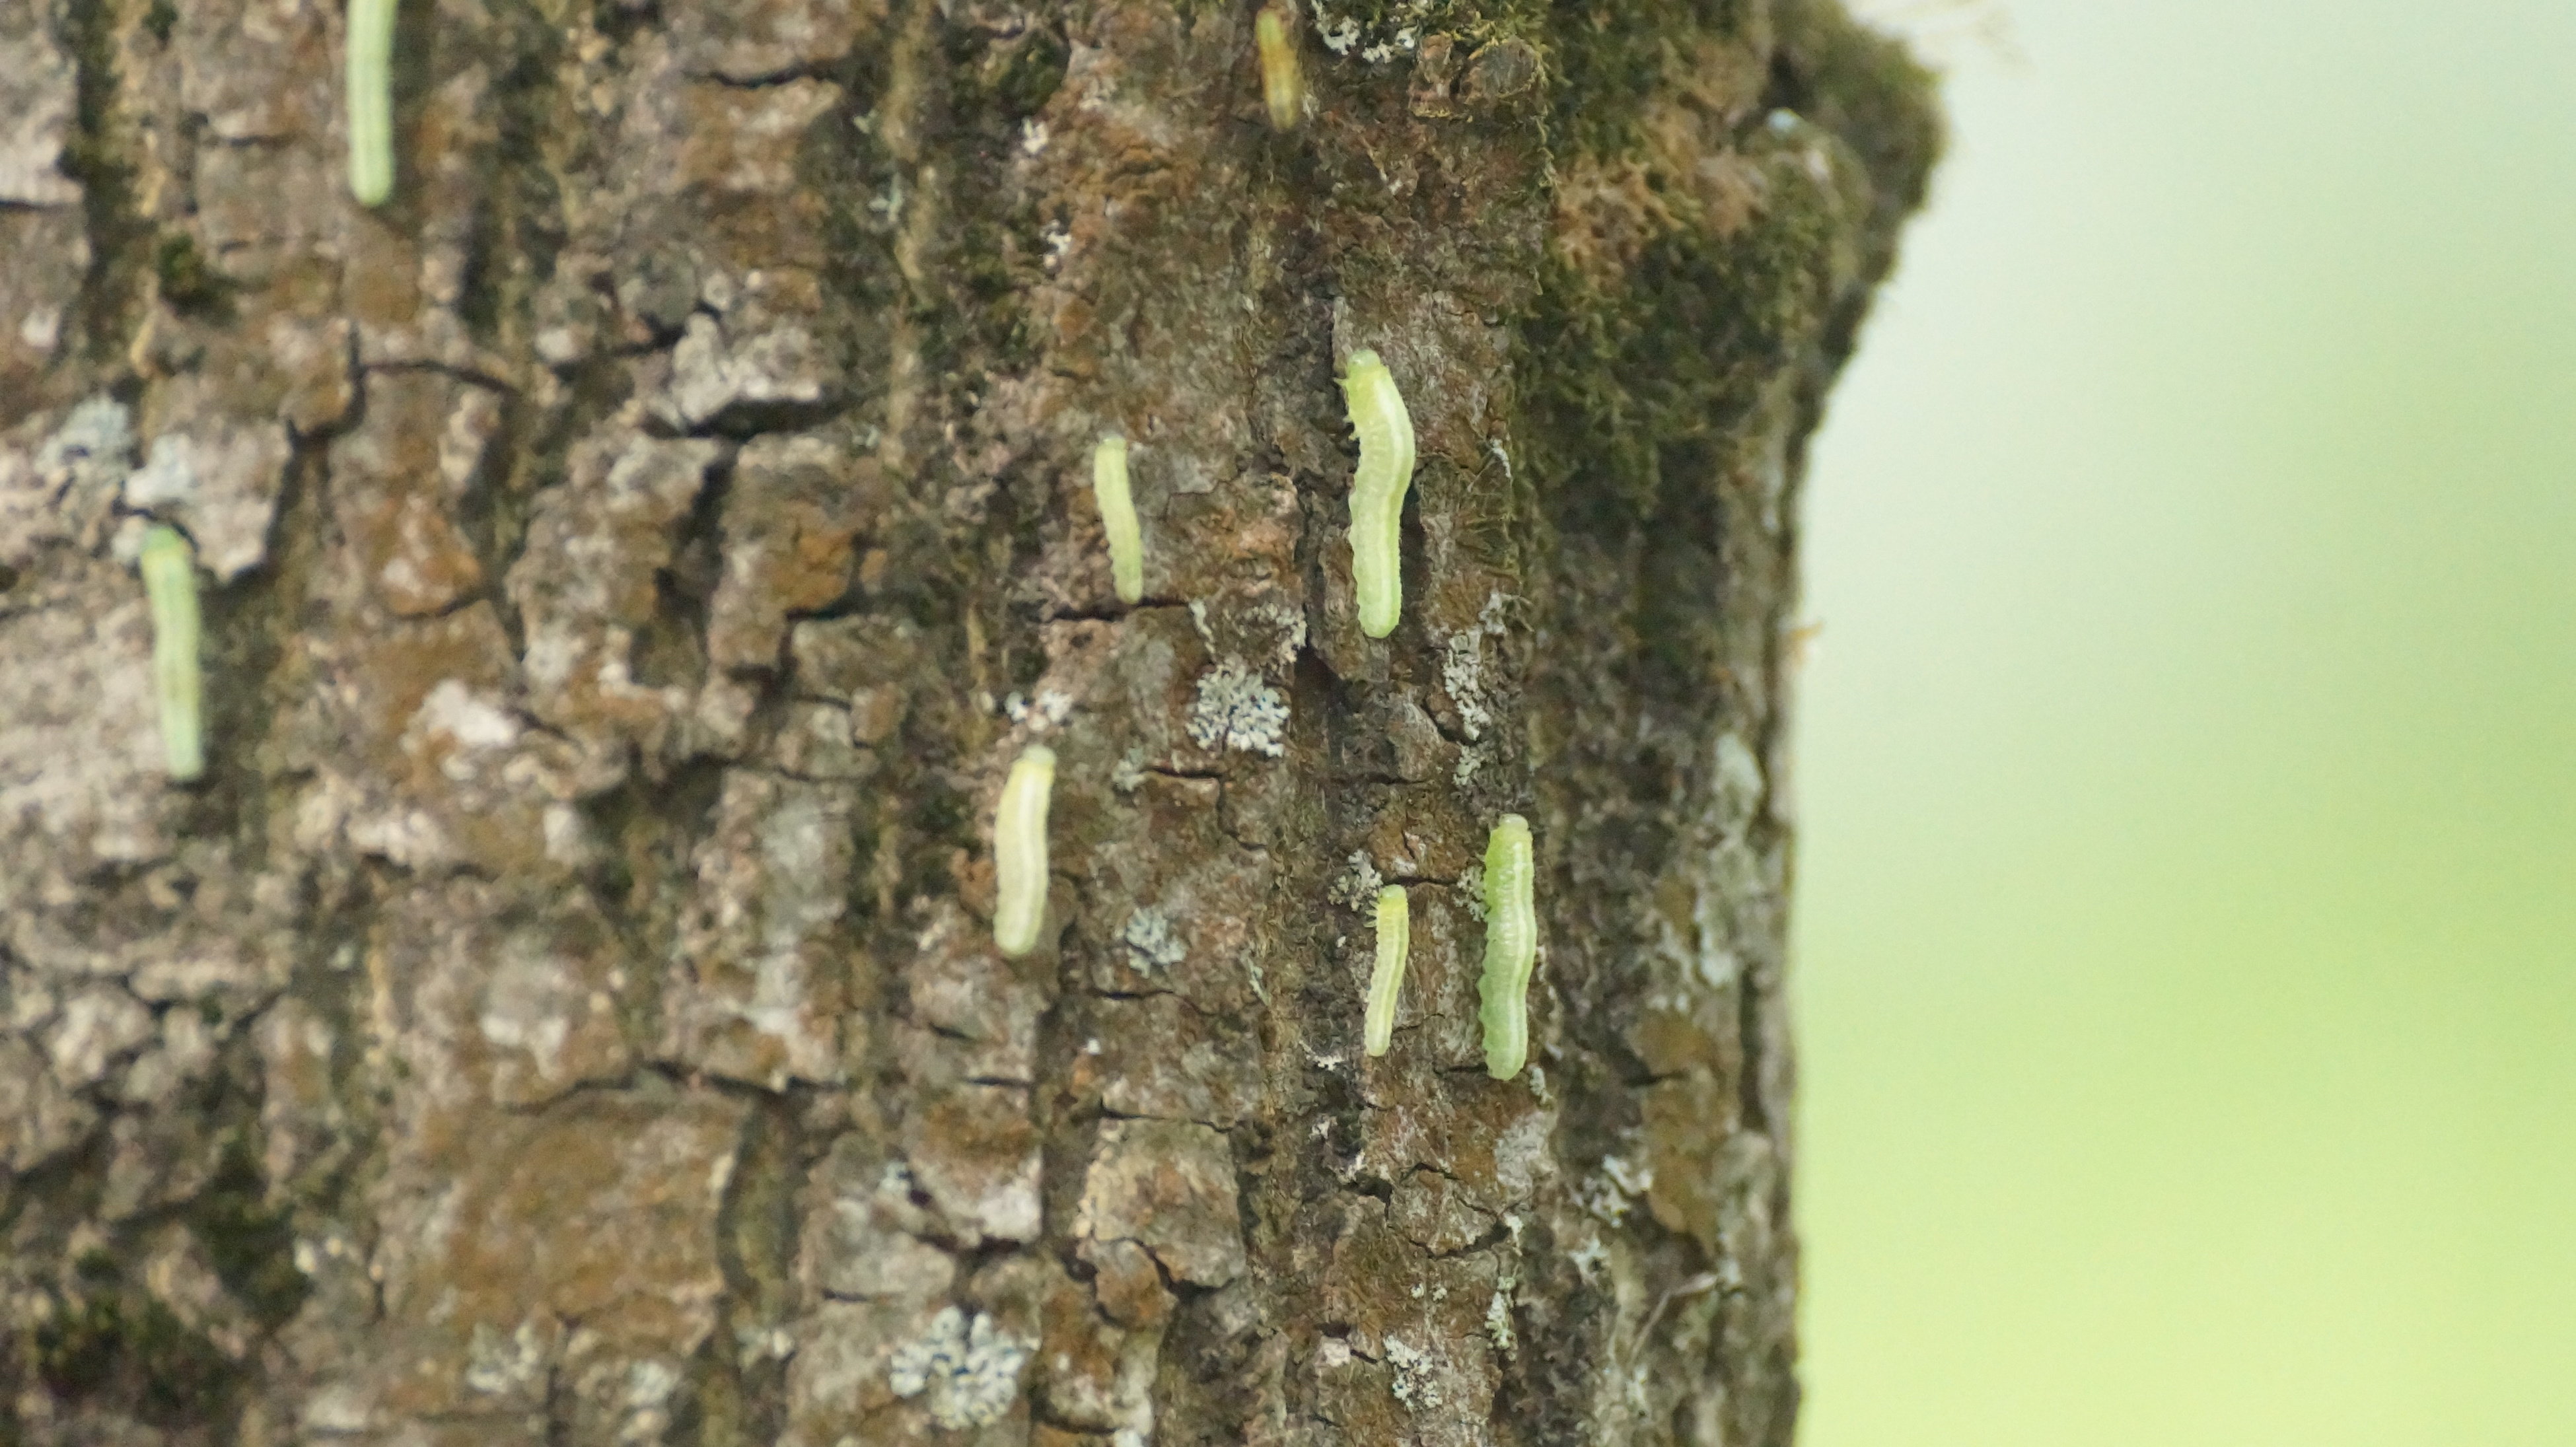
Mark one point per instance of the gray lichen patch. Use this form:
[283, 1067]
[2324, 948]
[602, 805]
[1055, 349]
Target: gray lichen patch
[1152, 944]
[58, 484]
[1462, 672]
[223, 487]
[1737, 786]
[969, 1372]
[1357, 885]
[1417, 1384]
[1471, 689]
[1234, 709]
[1128, 774]
[94, 445]
[763, 360]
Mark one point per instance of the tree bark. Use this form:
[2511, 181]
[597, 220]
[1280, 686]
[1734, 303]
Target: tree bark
[566, 1011]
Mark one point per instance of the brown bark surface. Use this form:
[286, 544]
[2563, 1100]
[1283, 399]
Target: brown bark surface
[566, 1011]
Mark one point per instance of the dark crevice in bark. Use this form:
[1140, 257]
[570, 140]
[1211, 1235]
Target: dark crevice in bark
[99, 156]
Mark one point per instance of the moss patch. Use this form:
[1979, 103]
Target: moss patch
[250, 1244]
[129, 1346]
[188, 284]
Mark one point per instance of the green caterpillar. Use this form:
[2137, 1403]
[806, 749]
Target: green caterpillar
[1511, 946]
[1394, 937]
[1283, 84]
[1377, 491]
[371, 100]
[1020, 851]
[169, 567]
[1118, 517]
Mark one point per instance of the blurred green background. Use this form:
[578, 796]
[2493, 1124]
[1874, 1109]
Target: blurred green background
[2186, 947]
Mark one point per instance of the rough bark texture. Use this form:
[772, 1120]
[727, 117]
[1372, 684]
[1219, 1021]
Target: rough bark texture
[566, 1012]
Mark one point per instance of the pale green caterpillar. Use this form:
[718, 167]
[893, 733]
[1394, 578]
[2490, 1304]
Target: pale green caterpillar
[370, 85]
[169, 569]
[1377, 491]
[1020, 851]
[1283, 84]
[1511, 946]
[1394, 936]
[1118, 517]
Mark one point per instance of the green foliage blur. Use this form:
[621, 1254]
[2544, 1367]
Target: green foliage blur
[2186, 917]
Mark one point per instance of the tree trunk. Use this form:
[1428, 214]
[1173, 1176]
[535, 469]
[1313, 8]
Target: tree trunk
[567, 1011]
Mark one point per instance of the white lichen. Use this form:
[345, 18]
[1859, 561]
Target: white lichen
[1462, 670]
[1608, 1195]
[971, 1373]
[1234, 709]
[1290, 620]
[168, 480]
[1738, 785]
[94, 445]
[1128, 774]
[1415, 1386]
[1498, 1314]
[495, 1364]
[1632, 1180]
[649, 1385]
[1470, 759]
[1462, 673]
[1589, 1257]
[1150, 941]
[1049, 710]
[1356, 887]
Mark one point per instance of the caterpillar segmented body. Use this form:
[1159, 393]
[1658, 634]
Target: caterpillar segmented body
[1511, 946]
[1020, 851]
[370, 84]
[1386, 982]
[169, 567]
[1377, 491]
[1118, 517]
[1283, 85]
